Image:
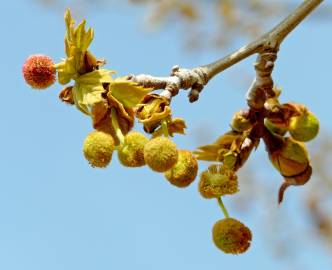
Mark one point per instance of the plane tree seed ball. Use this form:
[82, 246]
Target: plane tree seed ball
[231, 236]
[39, 71]
[305, 127]
[216, 181]
[184, 172]
[98, 148]
[131, 153]
[160, 154]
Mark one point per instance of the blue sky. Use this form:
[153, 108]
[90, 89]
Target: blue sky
[59, 213]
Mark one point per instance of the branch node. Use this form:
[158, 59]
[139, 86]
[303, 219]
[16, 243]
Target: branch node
[262, 86]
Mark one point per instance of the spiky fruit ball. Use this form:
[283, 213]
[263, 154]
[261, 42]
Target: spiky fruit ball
[39, 71]
[160, 154]
[231, 236]
[304, 127]
[216, 181]
[184, 172]
[131, 153]
[98, 148]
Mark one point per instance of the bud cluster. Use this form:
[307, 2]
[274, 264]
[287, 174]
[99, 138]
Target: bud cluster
[286, 129]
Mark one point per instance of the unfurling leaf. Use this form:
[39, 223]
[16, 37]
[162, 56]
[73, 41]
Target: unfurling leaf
[88, 89]
[176, 125]
[66, 95]
[153, 109]
[232, 149]
[211, 152]
[127, 92]
[78, 59]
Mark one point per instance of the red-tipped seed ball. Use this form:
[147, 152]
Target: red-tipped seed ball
[39, 71]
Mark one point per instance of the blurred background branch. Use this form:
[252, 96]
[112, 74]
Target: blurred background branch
[202, 23]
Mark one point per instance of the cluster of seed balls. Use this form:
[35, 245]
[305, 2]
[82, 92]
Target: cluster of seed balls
[180, 169]
[160, 154]
[228, 234]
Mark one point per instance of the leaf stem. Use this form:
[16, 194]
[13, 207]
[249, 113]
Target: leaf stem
[222, 206]
[116, 126]
[164, 127]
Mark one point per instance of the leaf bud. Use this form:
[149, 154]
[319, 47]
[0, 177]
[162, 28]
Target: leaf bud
[274, 128]
[131, 153]
[230, 160]
[98, 148]
[231, 236]
[160, 154]
[291, 159]
[240, 122]
[296, 180]
[184, 172]
[304, 127]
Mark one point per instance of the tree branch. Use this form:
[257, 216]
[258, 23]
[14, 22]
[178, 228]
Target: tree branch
[198, 77]
[272, 39]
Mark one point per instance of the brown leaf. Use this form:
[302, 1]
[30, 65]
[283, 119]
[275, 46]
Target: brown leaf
[66, 95]
[176, 125]
[98, 112]
[152, 111]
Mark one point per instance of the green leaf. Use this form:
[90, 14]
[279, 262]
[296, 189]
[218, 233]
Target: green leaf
[85, 96]
[88, 89]
[127, 92]
[66, 71]
[77, 41]
[96, 77]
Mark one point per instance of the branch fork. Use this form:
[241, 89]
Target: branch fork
[180, 78]
[265, 46]
[262, 87]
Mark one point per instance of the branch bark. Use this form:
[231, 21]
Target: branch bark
[196, 78]
[270, 40]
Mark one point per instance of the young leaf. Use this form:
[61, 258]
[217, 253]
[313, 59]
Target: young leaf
[88, 89]
[176, 125]
[128, 93]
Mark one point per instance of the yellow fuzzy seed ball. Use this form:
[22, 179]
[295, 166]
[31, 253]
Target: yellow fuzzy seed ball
[184, 172]
[231, 236]
[98, 148]
[160, 154]
[216, 182]
[131, 153]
